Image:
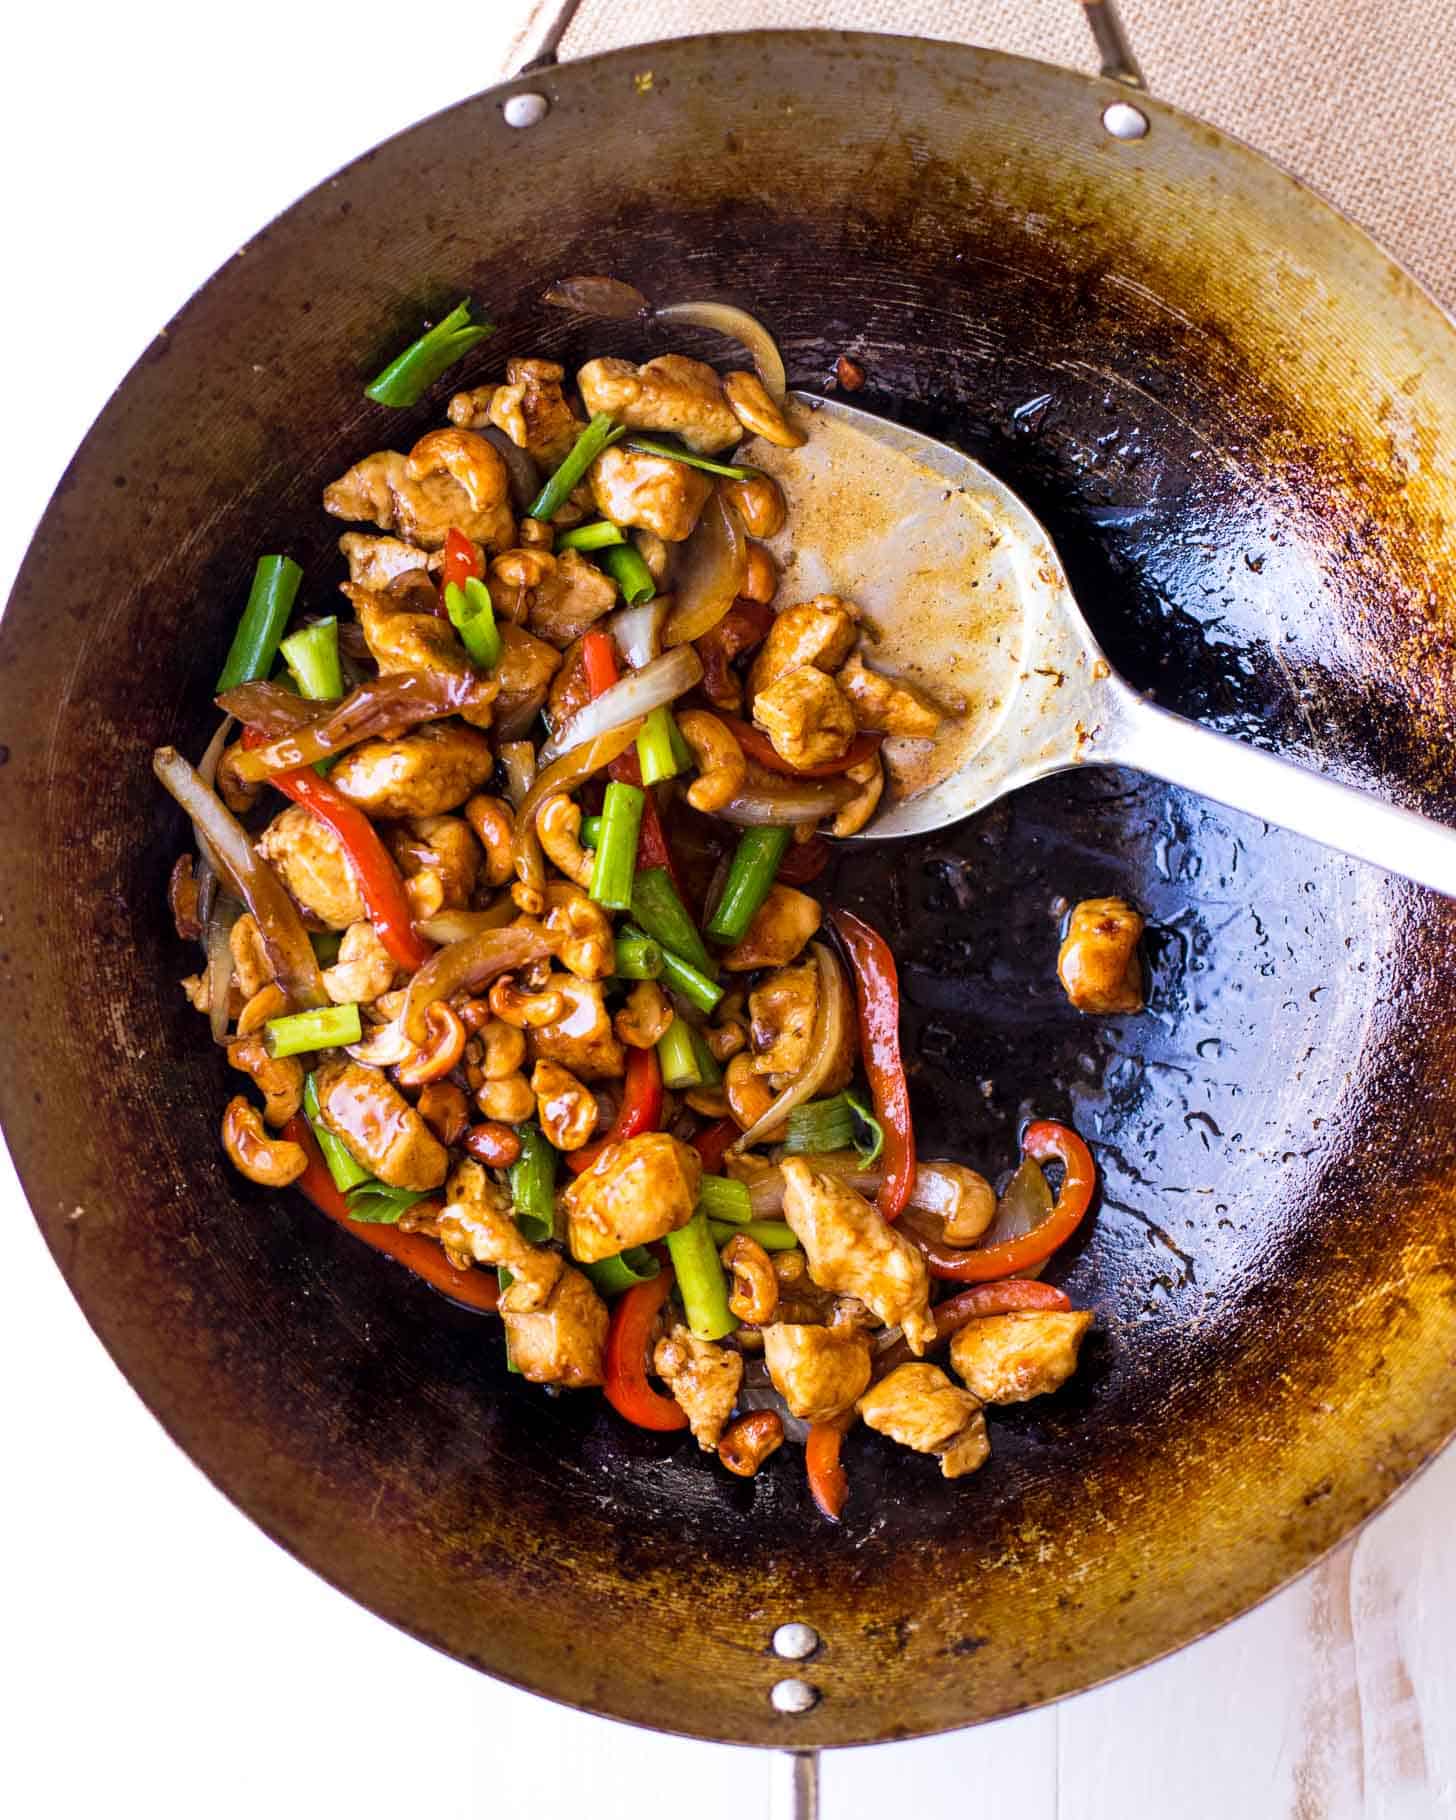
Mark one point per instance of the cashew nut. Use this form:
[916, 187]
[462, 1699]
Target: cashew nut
[532, 534]
[467, 458]
[760, 503]
[721, 764]
[278, 1078]
[524, 1010]
[509, 1101]
[582, 932]
[445, 1109]
[755, 1292]
[653, 552]
[268, 1001]
[870, 775]
[748, 1441]
[558, 827]
[250, 957]
[761, 582]
[494, 826]
[749, 1094]
[756, 411]
[969, 1205]
[727, 1038]
[441, 1051]
[270, 1162]
[567, 1110]
[645, 1017]
[709, 1102]
[503, 1049]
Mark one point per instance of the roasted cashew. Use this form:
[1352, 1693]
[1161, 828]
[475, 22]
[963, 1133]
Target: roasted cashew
[514, 577]
[727, 1038]
[445, 1109]
[467, 458]
[532, 534]
[433, 1059]
[278, 1078]
[761, 582]
[653, 551]
[582, 932]
[270, 1162]
[645, 1017]
[364, 970]
[760, 503]
[749, 1094]
[251, 967]
[524, 1010]
[754, 1294]
[748, 1441]
[508, 1101]
[503, 1049]
[558, 827]
[870, 775]
[722, 767]
[566, 1109]
[494, 826]
[967, 1206]
[757, 412]
[708, 1102]
[268, 1001]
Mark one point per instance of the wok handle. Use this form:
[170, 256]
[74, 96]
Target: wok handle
[793, 1790]
[1242, 777]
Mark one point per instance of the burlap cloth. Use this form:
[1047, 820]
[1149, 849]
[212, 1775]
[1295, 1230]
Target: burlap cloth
[1358, 100]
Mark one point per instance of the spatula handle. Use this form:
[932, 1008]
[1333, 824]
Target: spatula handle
[1242, 777]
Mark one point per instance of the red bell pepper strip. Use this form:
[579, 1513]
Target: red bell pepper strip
[713, 1141]
[599, 661]
[626, 1387]
[1014, 1297]
[641, 1108]
[599, 664]
[877, 993]
[374, 871]
[744, 625]
[760, 748]
[461, 564]
[1046, 1141]
[827, 1480]
[804, 861]
[473, 1288]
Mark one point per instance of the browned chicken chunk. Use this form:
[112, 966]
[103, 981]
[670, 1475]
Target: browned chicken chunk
[582, 1038]
[450, 477]
[310, 859]
[562, 595]
[649, 491]
[364, 970]
[918, 1406]
[884, 704]
[532, 410]
[671, 393]
[476, 1223]
[524, 674]
[820, 632]
[379, 1126]
[570, 691]
[703, 1379]
[785, 921]
[1009, 1358]
[374, 562]
[402, 637]
[1098, 963]
[818, 1371]
[421, 773]
[806, 717]
[639, 1189]
[853, 1250]
[782, 1010]
[563, 1341]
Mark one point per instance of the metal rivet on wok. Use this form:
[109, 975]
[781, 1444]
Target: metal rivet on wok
[793, 1696]
[795, 1641]
[1124, 121]
[526, 110]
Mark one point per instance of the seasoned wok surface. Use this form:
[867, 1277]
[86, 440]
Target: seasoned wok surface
[1223, 403]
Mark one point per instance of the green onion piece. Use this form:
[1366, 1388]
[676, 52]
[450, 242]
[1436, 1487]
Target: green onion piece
[869, 1135]
[695, 987]
[599, 434]
[632, 576]
[599, 536]
[326, 945]
[638, 957]
[346, 1169]
[700, 1278]
[505, 1278]
[661, 913]
[708, 1069]
[591, 830]
[330, 1027]
[610, 1276]
[270, 601]
[375, 1205]
[723, 1199]
[820, 1125]
[407, 378]
[533, 1186]
[682, 752]
[616, 861]
[312, 656]
[677, 1056]
[473, 617]
[649, 445]
[773, 1235]
[656, 753]
[756, 860]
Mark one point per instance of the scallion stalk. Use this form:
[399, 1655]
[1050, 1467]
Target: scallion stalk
[599, 434]
[624, 564]
[670, 451]
[723, 1199]
[410, 375]
[694, 986]
[346, 1169]
[330, 1027]
[533, 1186]
[616, 861]
[773, 1235]
[610, 1276]
[374, 1204]
[756, 861]
[638, 957]
[600, 535]
[656, 748]
[701, 1281]
[270, 601]
[820, 1125]
[472, 613]
[661, 913]
[709, 1072]
[677, 1056]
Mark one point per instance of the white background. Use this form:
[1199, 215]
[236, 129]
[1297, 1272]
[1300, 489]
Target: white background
[161, 1657]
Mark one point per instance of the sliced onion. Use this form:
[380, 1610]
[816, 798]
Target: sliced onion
[833, 1012]
[634, 698]
[936, 1186]
[380, 709]
[467, 966]
[738, 325]
[290, 953]
[763, 805]
[518, 761]
[207, 768]
[459, 925]
[521, 468]
[225, 912]
[764, 1396]
[558, 780]
[593, 296]
[638, 632]
[709, 572]
[1026, 1204]
[274, 710]
[206, 894]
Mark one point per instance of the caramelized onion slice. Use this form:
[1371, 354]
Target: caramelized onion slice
[380, 709]
[739, 326]
[466, 967]
[590, 295]
[709, 572]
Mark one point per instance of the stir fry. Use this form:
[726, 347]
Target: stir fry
[503, 884]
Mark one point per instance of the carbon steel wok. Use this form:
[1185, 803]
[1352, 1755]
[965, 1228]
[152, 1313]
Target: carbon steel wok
[1225, 403]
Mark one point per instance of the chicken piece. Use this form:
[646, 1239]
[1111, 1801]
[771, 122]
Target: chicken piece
[450, 477]
[440, 859]
[869, 774]
[470, 410]
[806, 717]
[379, 1126]
[784, 922]
[532, 410]
[1098, 963]
[672, 393]
[563, 1342]
[309, 858]
[884, 704]
[523, 674]
[582, 1038]
[821, 632]
[562, 595]
[422, 773]
[703, 1379]
[818, 1371]
[918, 1406]
[402, 637]
[570, 690]
[364, 970]
[853, 1250]
[637, 1190]
[476, 1223]
[1009, 1358]
[649, 491]
[375, 562]
[781, 1011]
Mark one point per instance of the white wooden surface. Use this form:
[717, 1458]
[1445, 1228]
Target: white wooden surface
[163, 1658]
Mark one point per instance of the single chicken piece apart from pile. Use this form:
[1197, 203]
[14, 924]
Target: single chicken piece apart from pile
[918, 1406]
[703, 1379]
[1010, 1358]
[1098, 963]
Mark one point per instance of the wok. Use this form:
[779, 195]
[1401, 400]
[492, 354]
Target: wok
[1225, 404]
